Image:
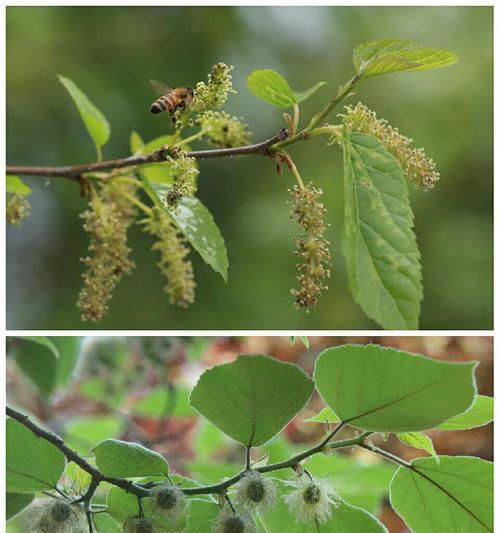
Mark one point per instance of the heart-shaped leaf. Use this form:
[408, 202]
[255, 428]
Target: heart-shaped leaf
[253, 398]
[386, 390]
[455, 495]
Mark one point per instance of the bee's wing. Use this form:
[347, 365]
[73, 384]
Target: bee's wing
[160, 87]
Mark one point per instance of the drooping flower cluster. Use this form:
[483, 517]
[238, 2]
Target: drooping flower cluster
[173, 263]
[212, 95]
[17, 209]
[138, 524]
[311, 247]
[106, 221]
[311, 500]
[416, 165]
[59, 517]
[223, 130]
[184, 172]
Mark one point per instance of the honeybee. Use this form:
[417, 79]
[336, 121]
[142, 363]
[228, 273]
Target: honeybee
[171, 99]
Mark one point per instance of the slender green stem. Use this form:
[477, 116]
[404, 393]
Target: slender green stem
[296, 118]
[99, 153]
[133, 200]
[291, 165]
[192, 138]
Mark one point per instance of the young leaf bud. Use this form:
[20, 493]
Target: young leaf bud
[169, 500]
[311, 500]
[229, 522]
[416, 165]
[137, 524]
[17, 209]
[311, 247]
[173, 263]
[255, 490]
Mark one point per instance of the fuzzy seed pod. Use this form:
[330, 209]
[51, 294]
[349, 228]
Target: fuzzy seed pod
[229, 522]
[17, 209]
[106, 221]
[254, 490]
[173, 263]
[312, 500]
[311, 247]
[169, 500]
[137, 524]
[416, 165]
[58, 517]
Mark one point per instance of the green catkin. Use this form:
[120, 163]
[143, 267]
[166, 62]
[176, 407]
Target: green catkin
[17, 209]
[170, 501]
[223, 130]
[311, 247]
[58, 517]
[416, 165]
[229, 522]
[255, 490]
[184, 172]
[106, 221]
[173, 264]
[212, 95]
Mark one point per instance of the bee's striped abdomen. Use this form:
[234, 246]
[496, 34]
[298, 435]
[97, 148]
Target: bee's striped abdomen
[161, 104]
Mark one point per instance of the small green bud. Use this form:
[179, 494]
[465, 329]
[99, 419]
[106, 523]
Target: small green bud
[17, 209]
[61, 511]
[169, 500]
[229, 522]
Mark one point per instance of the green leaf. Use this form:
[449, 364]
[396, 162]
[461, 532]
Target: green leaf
[33, 464]
[345, 519]
[69, 349]
[136, 144]
[106, 524]
[95, 122]
[38, 359]
[118, 458]
[16, 185]
[304, 95]
[325, 415]
[383, 259]
[271, 87]
[15, 503]
[418, 440]
[455, 495]
[253, 398]
[394, 55]
[382, 389]
[196, 222]
[480, 414]
[201, 514]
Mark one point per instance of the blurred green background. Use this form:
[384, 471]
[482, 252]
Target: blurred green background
[110, 52]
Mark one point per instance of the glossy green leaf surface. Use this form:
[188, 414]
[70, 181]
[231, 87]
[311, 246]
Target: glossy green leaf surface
[455, 495]
[198, 226]
[380, 247]
[253, 398]
[271, 87]
[384, 56]
[33, 464]
[382, 389]
[95, 122]
[118, 458]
